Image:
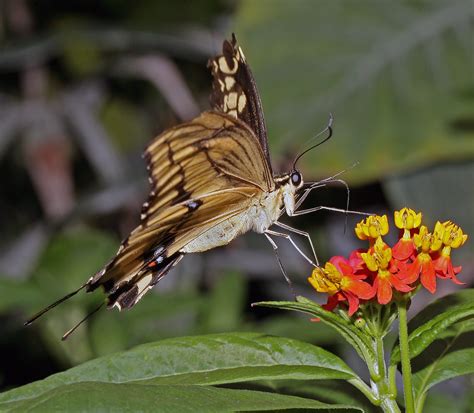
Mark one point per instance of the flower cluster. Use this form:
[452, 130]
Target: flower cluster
[418, 257]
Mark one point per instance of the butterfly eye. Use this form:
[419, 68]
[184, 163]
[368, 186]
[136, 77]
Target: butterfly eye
[296, 178]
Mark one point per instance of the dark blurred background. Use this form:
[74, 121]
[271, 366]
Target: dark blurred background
[86, 84]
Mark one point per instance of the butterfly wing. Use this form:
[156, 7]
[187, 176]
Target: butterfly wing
[235, 92]
[202, 173]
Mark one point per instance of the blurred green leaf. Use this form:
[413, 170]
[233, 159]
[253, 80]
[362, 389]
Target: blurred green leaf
[125, 124]
[70, 259]
[396, 75]
[67, 263]
[18, 294]
[200, 360]
[441, 402]
[158, 316]
[82, 57]
[223, 311]
[420, 190]
[99, 397]
[457, 363]
[434, 319]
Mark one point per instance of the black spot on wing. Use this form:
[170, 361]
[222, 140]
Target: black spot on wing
[193, 204]
[127, 294]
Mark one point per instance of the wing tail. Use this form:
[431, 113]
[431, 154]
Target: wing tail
[125, 295]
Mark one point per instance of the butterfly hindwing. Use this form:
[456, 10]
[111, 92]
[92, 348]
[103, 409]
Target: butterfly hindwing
[235, 92]
[202, 173]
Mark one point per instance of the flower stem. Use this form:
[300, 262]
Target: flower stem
[405, 357]
[380, 382]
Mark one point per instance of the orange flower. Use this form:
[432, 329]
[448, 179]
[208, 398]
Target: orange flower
[379, 261]
[423, 265]
[407, 220]
[451, 236]
[337, 278]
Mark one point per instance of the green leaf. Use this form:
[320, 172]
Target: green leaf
[457, 363]
[355, 337]
[201, 360]
[397, 82]
[99, 397]
[288, 325]
[434, 319]
[328, 391]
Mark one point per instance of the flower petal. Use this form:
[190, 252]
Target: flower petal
[353, 302]
[384, 290]
[362, 289]
[428, 277]
[403, 249]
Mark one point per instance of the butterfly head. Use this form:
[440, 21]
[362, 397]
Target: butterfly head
[289, 184]
[296, 179]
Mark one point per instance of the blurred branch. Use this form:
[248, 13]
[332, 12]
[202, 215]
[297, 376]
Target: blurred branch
[78, 107]
[186, 44]
[45, 146]
[19, 257]
[166, 77]
[11, 121]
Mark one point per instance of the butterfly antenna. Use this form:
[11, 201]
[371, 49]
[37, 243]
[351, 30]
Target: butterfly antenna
[328, 129]
[51, 306]
[69, 332]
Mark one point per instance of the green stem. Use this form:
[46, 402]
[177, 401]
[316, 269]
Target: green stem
[380, 356]
[380, 383]
[392, 382]
[365, 390]
[405, 357]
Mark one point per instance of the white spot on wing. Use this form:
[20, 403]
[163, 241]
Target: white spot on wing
[225, 68]
[232, 100]
[229, 82]
[144, 283]
[242, 102]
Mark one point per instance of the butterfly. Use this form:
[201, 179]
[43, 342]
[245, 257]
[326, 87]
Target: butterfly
[211, 181]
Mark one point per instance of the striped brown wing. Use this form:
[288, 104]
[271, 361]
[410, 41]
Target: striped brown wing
[202, 173]
[235, 92]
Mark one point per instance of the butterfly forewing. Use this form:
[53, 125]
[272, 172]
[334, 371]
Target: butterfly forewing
[202, 173]
[235, 92]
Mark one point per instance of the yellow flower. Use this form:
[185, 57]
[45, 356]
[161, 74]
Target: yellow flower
[426, 241]
[327, 279]
[372, 227]
[379, 258]
[407, 219]
[453, 235]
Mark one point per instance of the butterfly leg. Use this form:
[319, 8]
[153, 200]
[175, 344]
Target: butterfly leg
[280, 264]
[304, 234]
[319, 208]
[288, 237]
